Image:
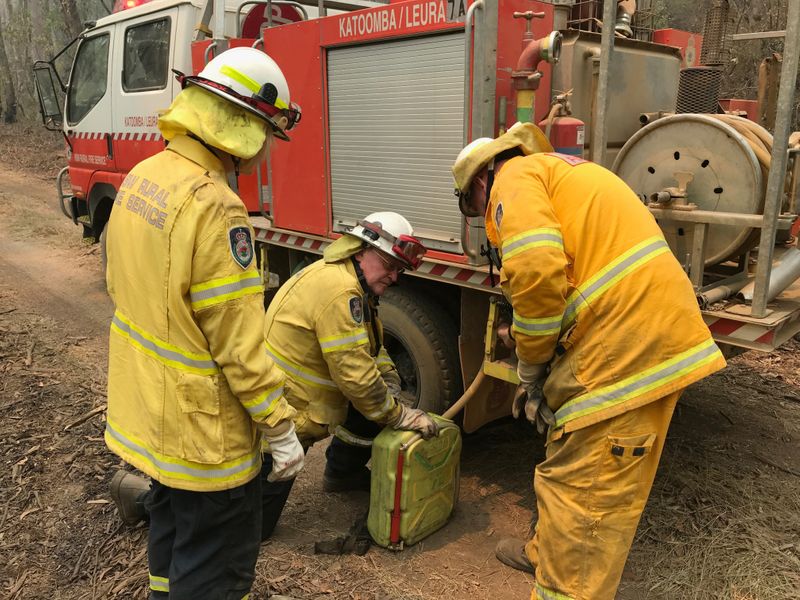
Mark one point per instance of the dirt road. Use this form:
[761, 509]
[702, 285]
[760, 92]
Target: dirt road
[723, 520]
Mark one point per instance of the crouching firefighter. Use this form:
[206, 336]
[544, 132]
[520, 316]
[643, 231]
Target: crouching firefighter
[322, 330]
[608, 334]
[190, 389]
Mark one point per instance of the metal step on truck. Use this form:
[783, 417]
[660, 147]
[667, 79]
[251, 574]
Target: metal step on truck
[391, 91]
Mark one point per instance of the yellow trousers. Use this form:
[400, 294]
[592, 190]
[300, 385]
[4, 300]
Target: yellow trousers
[590, 492]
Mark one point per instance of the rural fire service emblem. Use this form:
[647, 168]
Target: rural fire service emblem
[357, 310]
[241, 246]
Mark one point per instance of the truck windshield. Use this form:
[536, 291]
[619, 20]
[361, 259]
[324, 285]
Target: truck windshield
[89, 77]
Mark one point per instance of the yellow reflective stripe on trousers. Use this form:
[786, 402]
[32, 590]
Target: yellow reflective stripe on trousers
[532, 238]
[263, 405]
[612, 273]
[177, 468]
[351, 438]
[383, 359]
[343, 341]
[221, 290]
[159, 584]
[641, 383]
[298, 372]
[537, 325]
[543, 593]
[168, 354]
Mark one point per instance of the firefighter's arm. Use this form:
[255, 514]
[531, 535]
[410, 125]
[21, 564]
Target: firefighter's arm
[388, 372]
[344, 342]
[227, 300]
[534, 263]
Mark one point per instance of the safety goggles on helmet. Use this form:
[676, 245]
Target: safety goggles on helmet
[405, 247]
[284, 118]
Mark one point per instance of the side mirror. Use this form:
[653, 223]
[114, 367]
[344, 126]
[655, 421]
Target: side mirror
[49, 97]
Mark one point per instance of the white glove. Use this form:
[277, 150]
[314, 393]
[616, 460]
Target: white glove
[530, 397]
[414, 419]
[287, 453]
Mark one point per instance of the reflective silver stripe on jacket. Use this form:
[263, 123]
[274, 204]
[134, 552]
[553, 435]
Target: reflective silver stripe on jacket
[300, 373]
[346, 341]
[160, 350]
[178, 469]
[651, 378]
[253, 281]
[350, 438]
[585, 295]
[265, 406]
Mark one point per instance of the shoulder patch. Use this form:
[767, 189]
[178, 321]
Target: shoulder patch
[568, 158]
[498, 214]
[241, 246]
[357, 309]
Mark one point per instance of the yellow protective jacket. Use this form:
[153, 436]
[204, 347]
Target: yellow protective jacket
[595, 290]
[322, 330]
[188, 379]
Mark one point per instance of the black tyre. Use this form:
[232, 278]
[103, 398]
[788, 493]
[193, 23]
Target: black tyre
[423, 343]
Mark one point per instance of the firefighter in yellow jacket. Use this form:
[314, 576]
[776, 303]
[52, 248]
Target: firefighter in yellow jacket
[607, 334]
[322, 330]
[190, 389]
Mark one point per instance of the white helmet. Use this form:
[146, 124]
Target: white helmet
[473, 145]
[250, 79]
[392, 234]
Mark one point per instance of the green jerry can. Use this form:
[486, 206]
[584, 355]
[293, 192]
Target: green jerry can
[414, 484]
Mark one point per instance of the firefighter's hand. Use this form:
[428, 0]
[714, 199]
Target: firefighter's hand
[505, 335]
[414, 419]
[288, 456]
[529, 396]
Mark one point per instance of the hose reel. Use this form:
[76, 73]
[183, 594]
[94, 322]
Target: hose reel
[706, 162]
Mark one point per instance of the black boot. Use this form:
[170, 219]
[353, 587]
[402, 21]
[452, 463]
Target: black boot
[128, 491]
[351, 482]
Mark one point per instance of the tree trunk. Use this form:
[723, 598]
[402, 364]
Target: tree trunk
[6, 86]
[72, 17]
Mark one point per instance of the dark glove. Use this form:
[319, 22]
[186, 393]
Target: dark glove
[357, 541]
[529, 396]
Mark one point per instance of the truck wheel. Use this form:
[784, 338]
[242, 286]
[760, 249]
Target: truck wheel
[422, 341]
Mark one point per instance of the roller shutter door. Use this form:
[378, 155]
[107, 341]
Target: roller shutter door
[396, 121]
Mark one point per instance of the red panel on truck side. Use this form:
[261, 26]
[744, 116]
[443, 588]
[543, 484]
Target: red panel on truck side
[299, 168]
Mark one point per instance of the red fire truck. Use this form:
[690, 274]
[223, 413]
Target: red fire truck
[390, 92]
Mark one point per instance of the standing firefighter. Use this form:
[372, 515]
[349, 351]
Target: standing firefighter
[608, 334]
[189, 385]
[322, 329]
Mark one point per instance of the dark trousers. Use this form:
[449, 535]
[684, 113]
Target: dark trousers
[203, 544]
[343, 459]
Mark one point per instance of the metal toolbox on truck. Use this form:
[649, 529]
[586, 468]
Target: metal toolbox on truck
[414, 484]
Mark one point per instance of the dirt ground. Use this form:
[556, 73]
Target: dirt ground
[723, 519]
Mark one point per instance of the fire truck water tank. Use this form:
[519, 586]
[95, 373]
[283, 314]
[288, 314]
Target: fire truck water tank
[567, 135]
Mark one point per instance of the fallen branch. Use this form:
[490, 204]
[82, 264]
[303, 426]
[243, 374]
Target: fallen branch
[82, 419]
[29, 357]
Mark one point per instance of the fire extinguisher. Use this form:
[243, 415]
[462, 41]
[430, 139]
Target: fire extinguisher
[566, 133]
